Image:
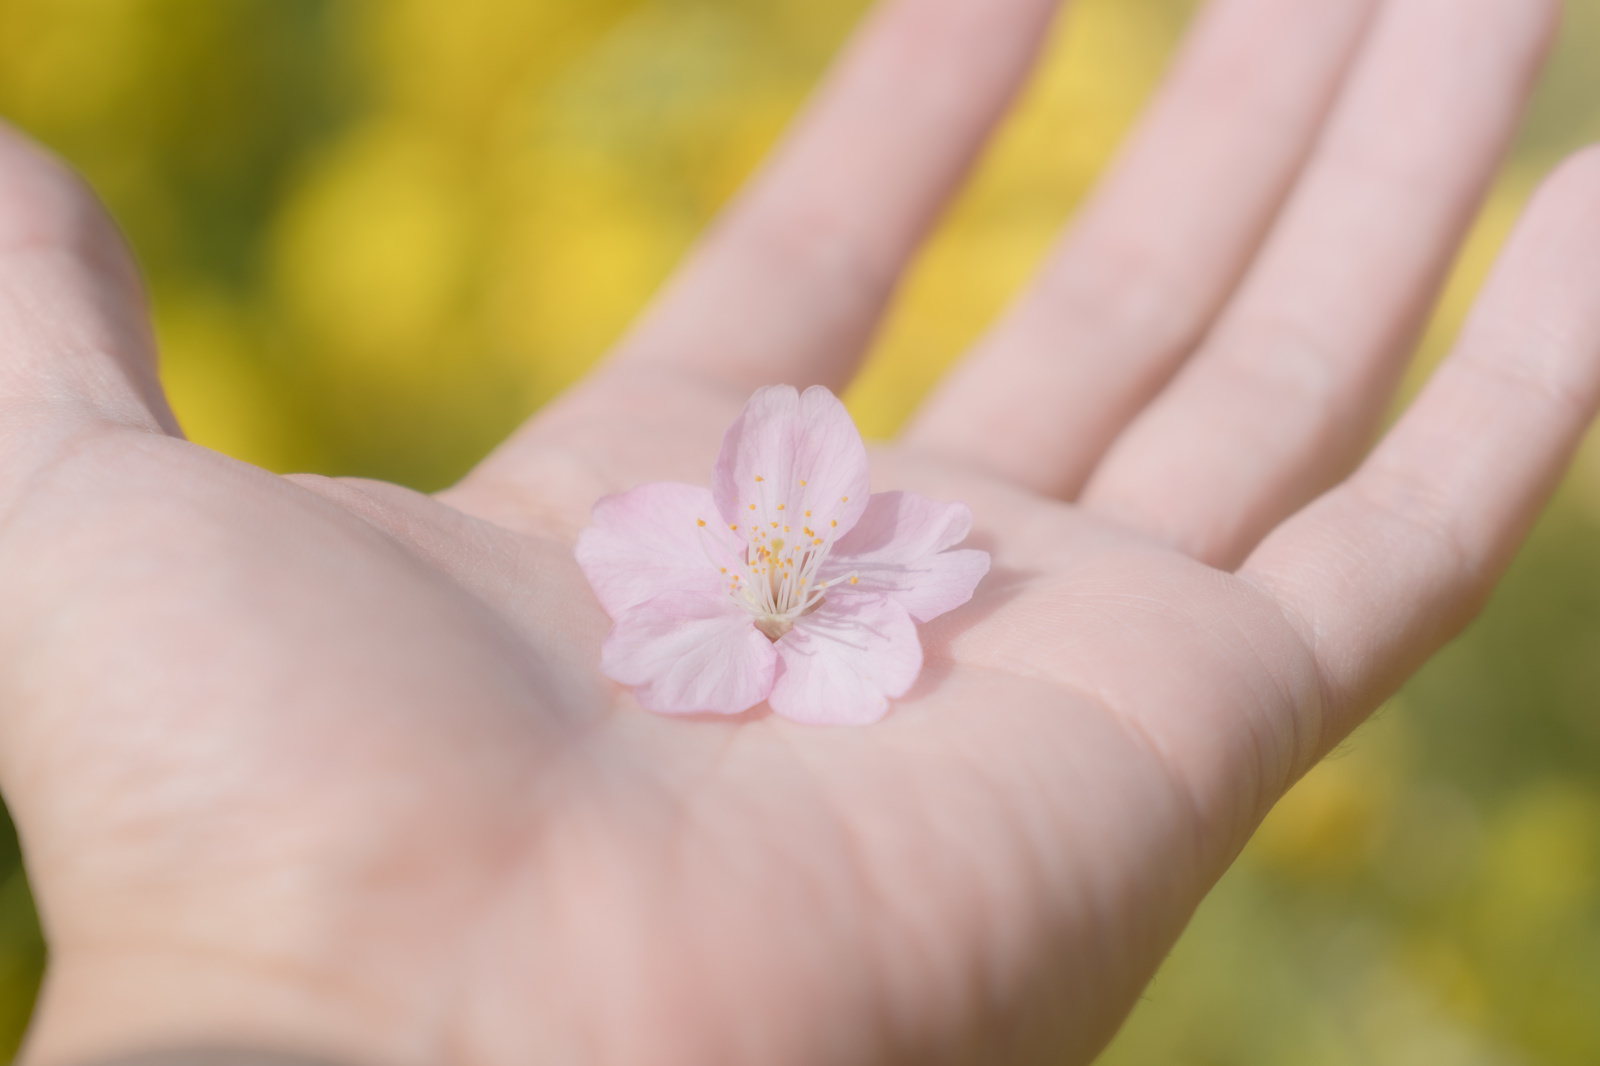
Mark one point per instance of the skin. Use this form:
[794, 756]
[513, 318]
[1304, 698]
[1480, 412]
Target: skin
[328, 766]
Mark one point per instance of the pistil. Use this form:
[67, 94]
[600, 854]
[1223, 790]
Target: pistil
[776, 580]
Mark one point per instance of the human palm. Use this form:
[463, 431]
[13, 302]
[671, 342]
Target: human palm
[329, 766]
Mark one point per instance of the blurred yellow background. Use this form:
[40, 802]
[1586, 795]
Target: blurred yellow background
[380, 232]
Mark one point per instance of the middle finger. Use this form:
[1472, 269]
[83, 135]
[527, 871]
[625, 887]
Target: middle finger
[1155, 253]
[1283, 398]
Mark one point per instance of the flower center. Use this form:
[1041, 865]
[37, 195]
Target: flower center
[776, 579]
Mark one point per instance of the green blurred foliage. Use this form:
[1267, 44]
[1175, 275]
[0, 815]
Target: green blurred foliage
[379, 232]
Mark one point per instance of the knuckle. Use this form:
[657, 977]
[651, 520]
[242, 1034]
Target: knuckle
[827, 256]
[1280, 360]
[1127, 295]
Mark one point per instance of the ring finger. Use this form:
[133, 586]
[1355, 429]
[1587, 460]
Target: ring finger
[1154, 255]
[1284, 396]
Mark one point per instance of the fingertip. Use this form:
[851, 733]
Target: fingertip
[46, 205]
[72, 302]
[1548, 279]
[41, 197]
[1574, 185]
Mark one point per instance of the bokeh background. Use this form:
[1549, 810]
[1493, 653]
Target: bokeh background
[379, 232]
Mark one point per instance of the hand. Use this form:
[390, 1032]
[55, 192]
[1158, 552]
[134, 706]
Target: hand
[328, 766]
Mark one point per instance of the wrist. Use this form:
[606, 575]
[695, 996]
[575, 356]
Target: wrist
[103, 1006]
[210, 1056]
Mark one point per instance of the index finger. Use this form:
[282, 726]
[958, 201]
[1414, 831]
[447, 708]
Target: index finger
[792, 280]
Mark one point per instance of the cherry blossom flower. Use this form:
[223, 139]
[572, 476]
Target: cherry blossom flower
[785, 581]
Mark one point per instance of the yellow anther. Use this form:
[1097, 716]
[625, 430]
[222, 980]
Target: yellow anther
[752, 507]
[780, 506]
[844, 499]
[700, 522]
[853, 579]
[734, 528]
[760, 478]
[835, 522]
[802, 484]
[817, 541]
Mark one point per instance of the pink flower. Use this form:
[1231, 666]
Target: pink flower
[785, 582]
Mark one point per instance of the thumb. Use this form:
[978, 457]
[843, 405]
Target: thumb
[76, 349]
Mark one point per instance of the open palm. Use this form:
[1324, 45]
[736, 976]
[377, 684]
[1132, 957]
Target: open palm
[329, 767]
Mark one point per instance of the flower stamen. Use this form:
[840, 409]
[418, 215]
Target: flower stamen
[778, 579]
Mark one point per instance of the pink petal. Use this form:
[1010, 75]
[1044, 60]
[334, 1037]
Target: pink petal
[898, 550]
[648, 541]
[841, 665]
[688, 651]
[785, 437]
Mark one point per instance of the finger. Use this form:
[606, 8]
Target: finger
[1381, 571]
[1287, 391]
[75, 345]
[1156, 252]
[790, 284]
